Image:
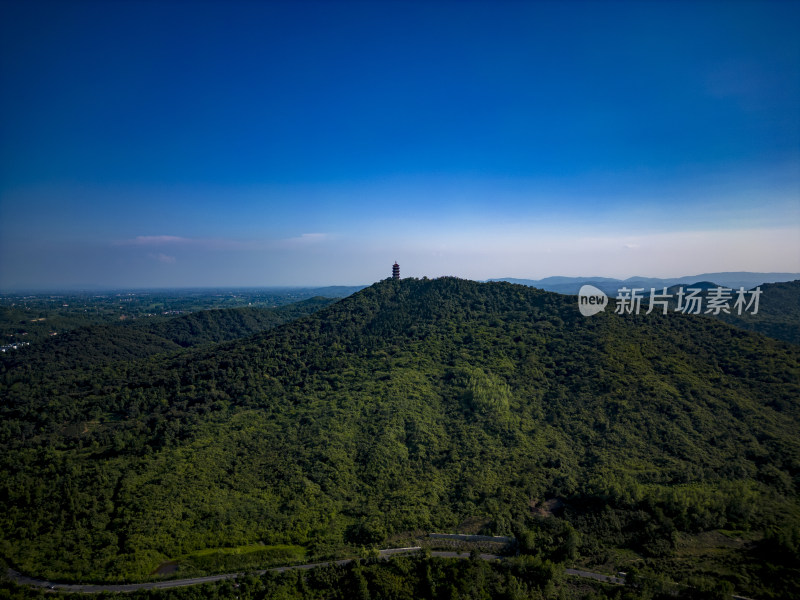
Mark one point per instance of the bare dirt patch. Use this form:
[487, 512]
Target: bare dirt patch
[548, 508]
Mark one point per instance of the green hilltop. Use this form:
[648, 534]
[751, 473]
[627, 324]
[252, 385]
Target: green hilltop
[615, 442]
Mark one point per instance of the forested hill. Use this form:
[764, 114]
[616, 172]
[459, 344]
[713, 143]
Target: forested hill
[93, 346]
[211, 326]
[413, 405]
[778, 312]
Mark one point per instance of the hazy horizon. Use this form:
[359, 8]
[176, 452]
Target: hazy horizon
[240, 144]
[771, 277]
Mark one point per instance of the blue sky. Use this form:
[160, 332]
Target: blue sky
[151, 144]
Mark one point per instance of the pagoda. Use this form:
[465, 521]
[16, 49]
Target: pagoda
[395, 271]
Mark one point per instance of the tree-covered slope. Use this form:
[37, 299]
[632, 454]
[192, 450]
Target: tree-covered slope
[92, 346]
[222, 325]
[414, 405]
[84, 347]
[778, 312]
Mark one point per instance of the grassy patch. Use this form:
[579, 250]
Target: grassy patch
[240, 558]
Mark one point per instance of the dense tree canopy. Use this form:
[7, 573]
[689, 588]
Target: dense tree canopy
[414, 405]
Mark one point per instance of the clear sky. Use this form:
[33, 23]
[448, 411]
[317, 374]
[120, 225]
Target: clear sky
[151, 144]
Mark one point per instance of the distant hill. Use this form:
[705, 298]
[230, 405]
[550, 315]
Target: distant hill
[335, 291]
[87, 347]
[419, 405]
[33, 318]
[571, 285]
[695, 285]
[779, 304]
[211, 326]
[778, 312]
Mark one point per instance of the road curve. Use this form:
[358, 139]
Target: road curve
[89, 588]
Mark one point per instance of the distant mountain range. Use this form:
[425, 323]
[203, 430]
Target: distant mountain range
[571, 285]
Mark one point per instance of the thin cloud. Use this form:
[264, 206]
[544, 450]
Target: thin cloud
[161, 257]
[304, 239]
[309, 238]
[155, 240]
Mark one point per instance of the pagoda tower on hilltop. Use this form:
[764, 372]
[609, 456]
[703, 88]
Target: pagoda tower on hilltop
[395, 271]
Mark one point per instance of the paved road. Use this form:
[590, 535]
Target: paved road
[597, 576]
[87, 588]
